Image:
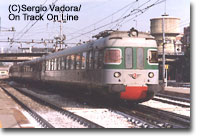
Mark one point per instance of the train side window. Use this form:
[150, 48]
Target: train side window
[59, 62]
[75, 61]
[100, 59]
[128, 58]
[78, 61]
[87, 60]
[62, 63]
[51, 64]
[54, 64]
[46, 63]
[43, 66]
[81, 54]
[34, 68]
[140, 58]
[26, 68]
[90, 60]
[67, 62]
[72, 62]
[96, 54]
[84, 60]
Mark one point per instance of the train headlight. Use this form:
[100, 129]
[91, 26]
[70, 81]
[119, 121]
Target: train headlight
[117, 74]
[151, 74]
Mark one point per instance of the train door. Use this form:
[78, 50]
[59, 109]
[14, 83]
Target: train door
[90, 67]
[128, 58]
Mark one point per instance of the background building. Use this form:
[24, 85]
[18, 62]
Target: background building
[174, 50]
[186, 46]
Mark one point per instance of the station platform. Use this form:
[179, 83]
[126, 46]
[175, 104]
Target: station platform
[10, 115]
[177, 91]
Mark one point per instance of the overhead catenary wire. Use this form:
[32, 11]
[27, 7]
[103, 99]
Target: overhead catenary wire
[144, 10]
[130, 7]
[35, 22]
[123, 19]
[133, 12]
[99, 21]
[29, 22]
[120, 22]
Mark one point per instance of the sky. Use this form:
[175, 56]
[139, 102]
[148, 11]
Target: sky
[94, 17]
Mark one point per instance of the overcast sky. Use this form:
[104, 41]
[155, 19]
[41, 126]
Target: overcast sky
[91, 12]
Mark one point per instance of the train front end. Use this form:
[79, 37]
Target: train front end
[131, 67]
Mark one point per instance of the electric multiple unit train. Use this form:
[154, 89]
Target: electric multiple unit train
[119, 63]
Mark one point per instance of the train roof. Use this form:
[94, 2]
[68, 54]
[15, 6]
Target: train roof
[109, 38]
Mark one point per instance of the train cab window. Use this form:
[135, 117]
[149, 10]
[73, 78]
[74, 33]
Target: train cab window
[84, 56]
[128, 58]
[153, 56]
[140, 58]
[112, 56]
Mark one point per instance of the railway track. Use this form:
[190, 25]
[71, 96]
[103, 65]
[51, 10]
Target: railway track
[156, 117]
[44, 123]
[147, 117]
[177, 101]
[94, 113]
[140, 115]
[175, 98]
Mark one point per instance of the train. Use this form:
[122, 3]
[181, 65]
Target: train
[4, 74]
[122, 64]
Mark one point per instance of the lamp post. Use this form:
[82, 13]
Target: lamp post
[163, 56]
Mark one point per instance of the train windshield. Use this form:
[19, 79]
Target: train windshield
[112, 56]
[153, 56]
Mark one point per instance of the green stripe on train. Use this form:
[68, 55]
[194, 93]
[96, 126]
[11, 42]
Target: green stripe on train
[122, 65]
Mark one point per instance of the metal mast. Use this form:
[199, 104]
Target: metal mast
[163, 56]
